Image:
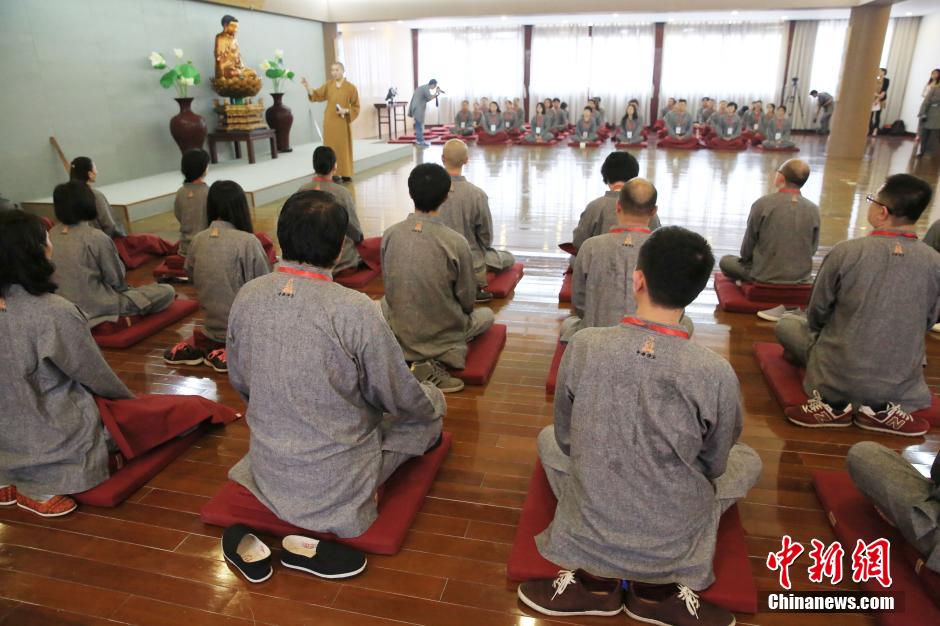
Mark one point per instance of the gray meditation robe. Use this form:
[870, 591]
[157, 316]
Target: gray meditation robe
[52, 440]
[781, 238]
[552, 118]
[873, 301]
[932, 238]
[463, 123]
[599, 216]
[929, 111]
[319, 368]
[777, 133]
[430, 287]
[648, 420]
[559, 119]
[222, 259]
[190, 210]
[728, 127]
[477, 118]
[349, 258]
[106, 221]
[89, 273]
[511, 121]
[703, 115]
[539, 128]
[419, 103]
[754, 122]
[678, 125]
[585, 131]
[492, 123]
[602, 278]
[599, 116]
[467, 211]
[520, 116]
[631, 131]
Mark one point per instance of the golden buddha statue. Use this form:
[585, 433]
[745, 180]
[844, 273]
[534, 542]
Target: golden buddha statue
[232, 78]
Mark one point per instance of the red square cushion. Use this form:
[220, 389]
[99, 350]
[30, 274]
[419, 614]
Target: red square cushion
[356, 278]
[137, 249]
[786, 381]
[130, 330]
[268, 245]
[166, 271]
[482, 355]
[791, 295]
[853, 517]
[766, 149]
[564, 294]
[928, 578]
[732, 298]
[620, 145]
[569, 248]
[370, 251]
[502, 284]
[399, 503]
[733, 589]
[138, 472]
[553, 368]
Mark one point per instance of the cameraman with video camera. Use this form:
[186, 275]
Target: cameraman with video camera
[417, 106]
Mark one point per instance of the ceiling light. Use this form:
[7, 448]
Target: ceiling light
[734, 13]
[909, 13]
[784, 17]
[504, 18]
[400, 22]
[372, 28]
[616, 15]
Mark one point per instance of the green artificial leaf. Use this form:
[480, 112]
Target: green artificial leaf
[290, 75]
[167, 80]
[273, 73]
[188, 70]
[197, 78]
[162, 66]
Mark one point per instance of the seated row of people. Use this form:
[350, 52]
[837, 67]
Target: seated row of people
[724, 128]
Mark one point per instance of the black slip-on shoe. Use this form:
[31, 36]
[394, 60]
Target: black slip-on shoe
[248, 554]
[326, 559]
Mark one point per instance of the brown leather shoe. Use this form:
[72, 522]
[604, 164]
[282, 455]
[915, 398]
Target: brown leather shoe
[571, 594]
[683, 608]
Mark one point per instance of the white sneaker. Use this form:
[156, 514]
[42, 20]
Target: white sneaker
[935, 328]
[774, 314]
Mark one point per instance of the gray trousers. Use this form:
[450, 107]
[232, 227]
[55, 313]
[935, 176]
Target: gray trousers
[929, 140]
[824, 118]
[494, 261]
[571, 325]
[797, 339]
[732, 267]
[742, 473]
[395, 432]
[146, 299]
[899, 493]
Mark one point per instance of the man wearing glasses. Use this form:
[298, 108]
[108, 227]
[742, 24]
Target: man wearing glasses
[862, 339]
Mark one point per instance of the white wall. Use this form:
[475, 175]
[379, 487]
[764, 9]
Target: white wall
[926, 58]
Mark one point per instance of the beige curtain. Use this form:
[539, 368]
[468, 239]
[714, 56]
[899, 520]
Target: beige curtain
[801, 64]
[899, 62]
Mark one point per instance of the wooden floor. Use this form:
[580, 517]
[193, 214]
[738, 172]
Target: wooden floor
[151, 561]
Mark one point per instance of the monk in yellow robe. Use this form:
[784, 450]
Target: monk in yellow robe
[342, 108]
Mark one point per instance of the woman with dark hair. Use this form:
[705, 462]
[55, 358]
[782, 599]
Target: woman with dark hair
[586, 127]
[539, 130]
[928, 126]
[221, 259]
[89, 271]
[630, 130]
[55, 384]
[491, 130]
[83, 170]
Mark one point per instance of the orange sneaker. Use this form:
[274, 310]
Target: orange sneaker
[7, 495]
[56, 506]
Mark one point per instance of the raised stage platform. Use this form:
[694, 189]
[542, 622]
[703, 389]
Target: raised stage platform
[266, 180]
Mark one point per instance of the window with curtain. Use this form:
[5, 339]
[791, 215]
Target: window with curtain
[828, 56]
[470, 63]
[612, 62]
[740, 62]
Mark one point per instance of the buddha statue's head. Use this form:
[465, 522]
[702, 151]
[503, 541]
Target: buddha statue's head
[229, 25]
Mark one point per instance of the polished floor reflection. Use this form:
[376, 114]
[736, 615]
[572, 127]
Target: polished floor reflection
[151, 561]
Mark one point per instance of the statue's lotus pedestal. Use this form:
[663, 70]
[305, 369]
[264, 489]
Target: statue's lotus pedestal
[280, 118]
[236, 117]
[188, 129]
[244, 85]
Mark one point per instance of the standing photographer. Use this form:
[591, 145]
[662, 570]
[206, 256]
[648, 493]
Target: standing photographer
[417, 106]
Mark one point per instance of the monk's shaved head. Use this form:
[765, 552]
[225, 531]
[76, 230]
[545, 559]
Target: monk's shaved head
[455, 153]
[638, 197]
[795, 172]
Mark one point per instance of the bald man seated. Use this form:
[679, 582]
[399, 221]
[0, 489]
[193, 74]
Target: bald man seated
[602, 276]
[782, 233]
[467, 210]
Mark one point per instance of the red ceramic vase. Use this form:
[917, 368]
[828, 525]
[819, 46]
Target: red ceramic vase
[280, 118]
[189, 129]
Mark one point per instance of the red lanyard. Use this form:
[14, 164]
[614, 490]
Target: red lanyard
[322, 179]
[789, 190]
[675, 332]
[632, 229]
[893, 233]
[304, 273]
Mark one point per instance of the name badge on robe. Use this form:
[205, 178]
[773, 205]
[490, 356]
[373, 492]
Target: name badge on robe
[629, 134]
[214, 232]
[777, 136]
[756, 126]
[582, 144]
[583, 135]
[492, 128]
[730, 130]
[538, 130]
[678, 130]
[507, 124]
[463, 124]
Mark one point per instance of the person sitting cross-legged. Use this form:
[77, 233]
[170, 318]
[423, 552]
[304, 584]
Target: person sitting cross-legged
[642, 455]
